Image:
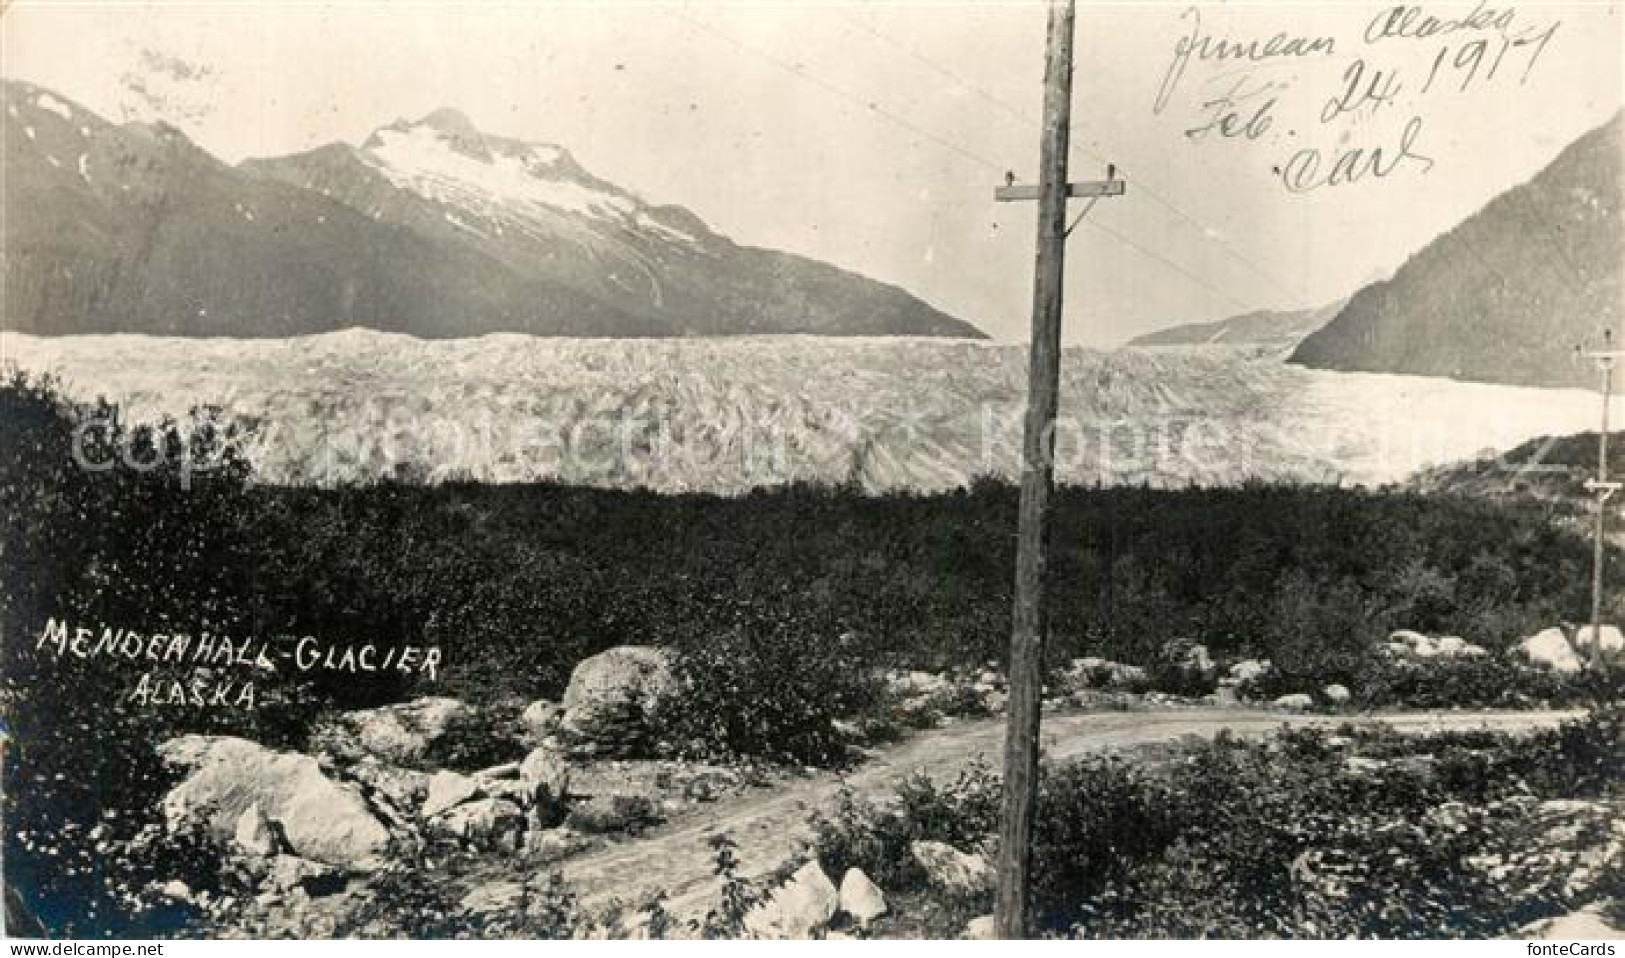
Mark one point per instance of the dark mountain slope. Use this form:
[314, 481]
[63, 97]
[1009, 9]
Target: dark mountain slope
[1507, 295]
[134, 229]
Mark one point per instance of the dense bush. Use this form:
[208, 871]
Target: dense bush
[1312, 833]
[518, 583]
[768, 688]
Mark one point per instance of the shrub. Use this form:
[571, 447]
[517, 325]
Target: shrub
[1480, 681]
[768, 690]
[1426, 836]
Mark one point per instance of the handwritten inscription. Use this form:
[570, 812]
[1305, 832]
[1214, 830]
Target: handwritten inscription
[1204, 47]
[1307, 169]
[1368, 120]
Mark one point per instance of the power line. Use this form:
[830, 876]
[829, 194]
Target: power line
[1203, 230]
[903, 122]
[802, 72]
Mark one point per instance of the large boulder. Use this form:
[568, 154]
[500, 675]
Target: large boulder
[612, 696]
[798, 909]
[1551, 649]
[861, 899]
[402, 734]
[448, 790]
[1296, 702]
[321, 819]
[1337, 694]
[544, 776]
[950, 870]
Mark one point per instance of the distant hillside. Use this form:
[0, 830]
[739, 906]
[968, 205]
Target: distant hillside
[432, 228]
[1507, 295]
[1548, 467]
[1269, 330]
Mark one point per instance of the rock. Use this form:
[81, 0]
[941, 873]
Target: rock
[798, 909]
[322, 819]
[498, 773]
[492, 897]
[1297, 702]
[918, 684]
[1092, 672]
[1456, 647]
[1406, 642]
[1587, 924]
[485, 822]
[539, 720]
[289, 872]
[861, 899]
[257, 835]
[607, 813]
[847, 729]
[553, 844]
[448, 790]
[980, 929]
[398, 791]
[176, 889]
[611, 697]
[1248, 670]
[950, 870]
[401, 734]
[545, 777]
[1337, 694]
[1613, 645]
[1551, 649]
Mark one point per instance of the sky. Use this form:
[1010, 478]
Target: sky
[872, 135]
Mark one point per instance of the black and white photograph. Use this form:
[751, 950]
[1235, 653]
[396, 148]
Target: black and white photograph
[853, 470]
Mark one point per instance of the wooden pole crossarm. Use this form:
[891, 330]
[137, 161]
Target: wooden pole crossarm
[1029, 191]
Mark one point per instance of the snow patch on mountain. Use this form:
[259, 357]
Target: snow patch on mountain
[498, 185]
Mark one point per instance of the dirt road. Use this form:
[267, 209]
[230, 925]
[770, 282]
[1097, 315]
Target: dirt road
[770, 826]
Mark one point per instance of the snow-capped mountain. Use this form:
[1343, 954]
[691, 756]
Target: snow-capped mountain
[430, 228]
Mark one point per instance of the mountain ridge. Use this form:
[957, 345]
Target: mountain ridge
[1265, 329]
[134, 228]
[1509, 293]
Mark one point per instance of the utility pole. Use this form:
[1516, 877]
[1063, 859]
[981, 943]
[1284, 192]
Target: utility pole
[1603, 490]
[1030, 620]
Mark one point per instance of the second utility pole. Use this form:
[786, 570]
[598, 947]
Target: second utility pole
[1603, 489]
